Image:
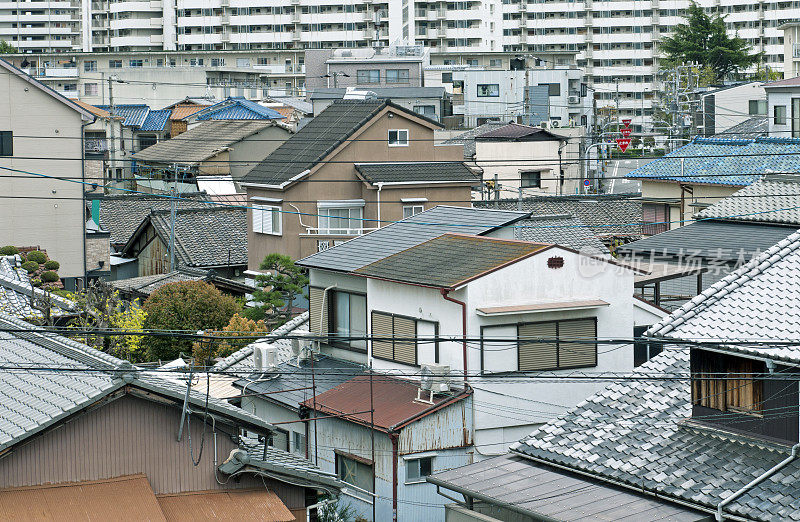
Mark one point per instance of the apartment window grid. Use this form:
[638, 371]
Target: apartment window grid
[368, 76]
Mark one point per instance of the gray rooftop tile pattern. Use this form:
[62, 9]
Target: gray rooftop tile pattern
[16, 291]
[467, 139]
[561, 229]
[772, 199]
[748, 129]
[417, 171]
[409, 232]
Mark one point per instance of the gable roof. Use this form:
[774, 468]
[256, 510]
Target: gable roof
[417, 171]
[146, 285]
[395, 237]
[134, 115]
[201, 142]
[561, 229]
[449, 260]
[467, 139]
[635, 433]
[16, 291]
[87, 115]
[771, 199]
[204, 237]
[32, 401]
[758, 302]
[721, 240]
[318, 138]
[718, 161]
[786, 82]
[156, 121]
[517, 132]
[748, 129]
[237, 109]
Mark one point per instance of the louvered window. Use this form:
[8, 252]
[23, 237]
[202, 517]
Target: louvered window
[395, 337]
[556, 345]
[317, 311]
[267, 219]
[654, 218]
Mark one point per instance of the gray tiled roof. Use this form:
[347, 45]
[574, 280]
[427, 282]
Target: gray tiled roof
[16, 291]
[723, 240]
[448, 260]
[635, 433]
[202, 142]
[121, 215]
[759, 301]
[416, 171]
[605, 215]
[314, 141]
[146, 285]
[393, 238]
[214, 237]
[467, 139]
[31, 401]
[515, 131]
[561, 229]
[772, 199]
[749, 128]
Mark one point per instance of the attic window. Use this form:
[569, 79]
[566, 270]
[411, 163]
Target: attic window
[555, 262]
[727, 383]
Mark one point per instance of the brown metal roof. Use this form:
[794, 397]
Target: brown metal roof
[393, 400]
[234, 505]
[181, 111]
[101, 500]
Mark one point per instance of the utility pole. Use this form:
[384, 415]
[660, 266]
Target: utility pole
[112, 144]
[616, 81]
[172, 215]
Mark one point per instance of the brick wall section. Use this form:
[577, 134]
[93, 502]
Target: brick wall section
[97, 249]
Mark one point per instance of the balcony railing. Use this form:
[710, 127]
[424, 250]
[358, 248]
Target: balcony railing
[96, 145]
[313, 231]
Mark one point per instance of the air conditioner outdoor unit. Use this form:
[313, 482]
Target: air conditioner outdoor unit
[544, 124]
[573, 100]
[435, 377]
[263, 358]
[301, 350]
[555, 124]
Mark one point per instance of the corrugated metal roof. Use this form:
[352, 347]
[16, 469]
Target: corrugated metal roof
[233, 505]
[122, 498]
[772, 199]
[393, 400]
[405, 171]
[450, 260]
[156, 120]
[545, 493]
[724, 161]
[238, 109]
[409, 232]
[134, 115]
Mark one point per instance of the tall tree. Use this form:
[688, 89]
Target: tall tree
[7, 48]
[704, 40]
[277, 290]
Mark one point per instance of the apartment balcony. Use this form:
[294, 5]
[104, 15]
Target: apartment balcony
[296, 36]
[96, 145]
[133, 7]
[337, 233]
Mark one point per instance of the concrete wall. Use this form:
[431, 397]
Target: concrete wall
[784, 97]
[46, 141]
[337, 180]
[732, 106]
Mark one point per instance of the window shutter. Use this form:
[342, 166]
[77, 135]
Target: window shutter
[257, 211]
[535, 356]
[382, 327]
[577, 354]
[315, 310]
[405, 351]
[266, 220]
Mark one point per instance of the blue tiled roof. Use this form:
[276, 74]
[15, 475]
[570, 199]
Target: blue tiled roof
[725, 161]
[134, 115]
[156, 120]
[238, 109]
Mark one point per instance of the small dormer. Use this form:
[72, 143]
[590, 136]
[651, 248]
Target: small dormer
[744, 394]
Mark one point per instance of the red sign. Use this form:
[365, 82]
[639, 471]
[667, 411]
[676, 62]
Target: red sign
[625, 132]
[626, 122]
[623, 143]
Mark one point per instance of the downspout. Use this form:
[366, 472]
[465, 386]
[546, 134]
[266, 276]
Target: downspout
[720, 516]
[394, 436]
[313, 380]
[380, 186]
[445, 292]
[83, 198]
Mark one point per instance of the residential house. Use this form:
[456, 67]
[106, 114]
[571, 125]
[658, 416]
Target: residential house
[431, 102]
[105, 139]
[20, 299]
[183, 108]
[356, 166]
[467, 138]
[721, 109]
[147, 126]
[783, 107]
[725, 236]
[705, 171]
[213, 154]
[122, 433]
[142, 287]
[41, 140]
[704, 448]
[204, 238]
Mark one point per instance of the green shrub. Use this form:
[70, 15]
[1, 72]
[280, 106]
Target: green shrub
[50, 277]
[37, 256]
[8, 250]
[30, 266]
[52, 265]
[36, 282]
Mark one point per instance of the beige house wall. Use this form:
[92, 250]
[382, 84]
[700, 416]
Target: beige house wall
[506, 159]
[336, 179]
[46, 141]
[670, 192]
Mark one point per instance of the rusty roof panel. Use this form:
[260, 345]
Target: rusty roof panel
[234, 505]
[394, 400]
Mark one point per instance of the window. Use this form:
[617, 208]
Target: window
[426, 110]
[758, 107]
[397, 76]
[348, 313]
[418, 469]
[654, 218]
[346, 221]
[6, 143]
[279, 439]
[779, 114]
[147, 140]
[726, 383]
[395, 338]
[553, 89]
[368, 76]
[398, 138]
[795, 117]
[530, 178]
[354, 471]
[115, 64]
[447, 77]
[299, 442]
[217, 62]
[488, 90]
[549, 345]
[267, 219]
[495, 62]
[412, 210]
[90, 65]
[136, 63]
[643, 350]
